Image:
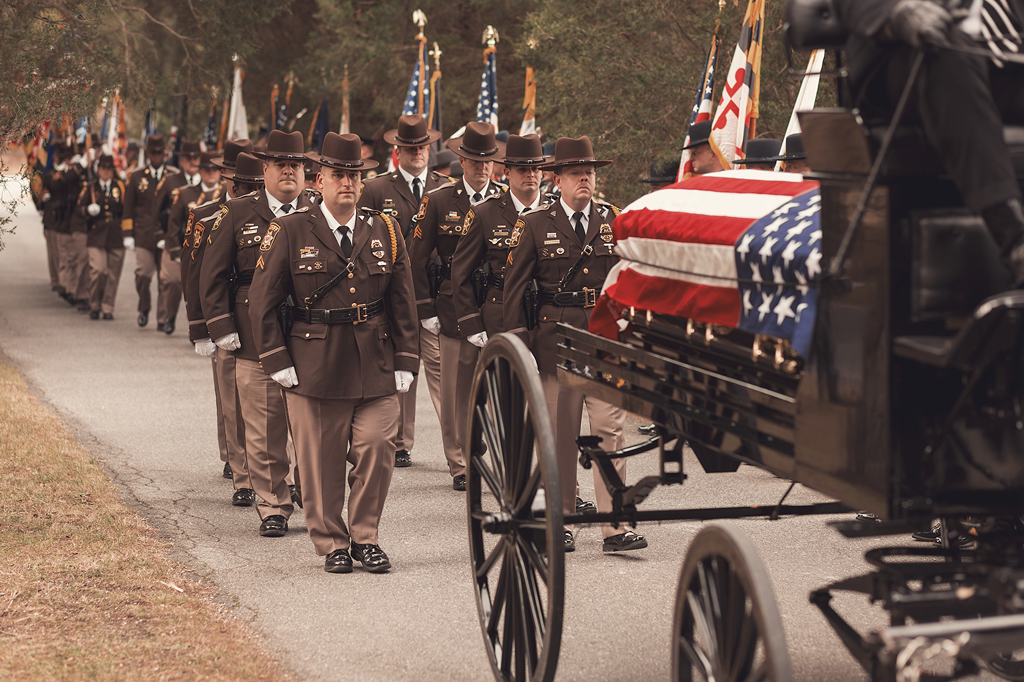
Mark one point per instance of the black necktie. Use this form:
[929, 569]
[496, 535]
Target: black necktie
[477, 197]
[581, 232]
[285, 208]
[416, 191]
[346, 243]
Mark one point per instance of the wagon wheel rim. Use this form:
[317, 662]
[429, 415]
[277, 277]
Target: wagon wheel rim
[515, 533]
[727, 625]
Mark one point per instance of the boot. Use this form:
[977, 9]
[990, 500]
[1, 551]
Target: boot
[1006, 223]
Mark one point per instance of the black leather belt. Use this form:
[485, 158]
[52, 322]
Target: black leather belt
[570, 299]
[244, 278]
[354, 315]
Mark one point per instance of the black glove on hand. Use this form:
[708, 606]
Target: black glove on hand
[920, 22]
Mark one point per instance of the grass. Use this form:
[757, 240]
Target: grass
[87, 591]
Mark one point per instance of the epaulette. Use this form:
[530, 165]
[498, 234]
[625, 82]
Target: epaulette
[539, 209]
[371, 211]
[250, 194]
[607, 207]
[204, 205]
[494, 197]
[299, 211]
[437, 189]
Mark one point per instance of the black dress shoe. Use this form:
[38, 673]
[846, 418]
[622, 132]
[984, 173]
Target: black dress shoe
[459, 482]
[159, 326]
[647, 429]
[169, 327]
[403, 458]
[83, 306]
[372, 557]
[274, 526]
[227, 470]
[295, 495]
[585, 506]
[108, 316]
[338, 561]
[143, 318]
[570, 541]
[243, 497]
[94, 314]
[624, 542]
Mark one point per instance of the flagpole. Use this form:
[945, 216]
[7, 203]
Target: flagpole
[804, 100]
[529, 125]
[345, 123]
[489, 85]
[420, 20]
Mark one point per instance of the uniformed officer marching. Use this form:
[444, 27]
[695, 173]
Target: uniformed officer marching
[209, 188]
[398, 196]
[351, 347]
[568, 247]
[99, 207]
[440, 224]
[169, 272]
[232, 252]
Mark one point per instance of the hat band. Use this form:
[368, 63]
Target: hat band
[476, 153]
[247, 178]
[575, 162]
[324, 161]
[523, 162]
[421, 140]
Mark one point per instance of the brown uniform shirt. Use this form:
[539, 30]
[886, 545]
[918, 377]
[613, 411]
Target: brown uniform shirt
[145, 203]
[439, 225]
[544, 247]
[103, 230]
[336, 361]
[183, 200]
[200, 220]
[390, 194]
[233, 245]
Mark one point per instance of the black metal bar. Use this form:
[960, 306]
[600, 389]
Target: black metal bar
[709, 513]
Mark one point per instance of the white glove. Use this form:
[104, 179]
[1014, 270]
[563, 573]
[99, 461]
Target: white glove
[80, 160]
[161, 244]
[46, 196]
[129, 243]
[432, 325]
[403, 381]
[478, 340]
[229, 342]
[287, 377]
[93, 210]
[206, 348]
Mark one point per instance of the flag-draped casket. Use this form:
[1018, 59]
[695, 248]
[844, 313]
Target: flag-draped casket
[738, 248]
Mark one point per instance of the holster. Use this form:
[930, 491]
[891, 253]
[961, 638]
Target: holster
[531, 304]
[284, 316]
[481, 283]
[435, 276]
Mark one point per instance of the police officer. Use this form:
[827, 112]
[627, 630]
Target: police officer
[196, 170]
[352, 346]
[147, 196]
[702, 156]
[60, 193]
[440, 224]
[568, 247]
[99, 208]
[795, 158]
[760, 153]
[398, 195]
[232, 253]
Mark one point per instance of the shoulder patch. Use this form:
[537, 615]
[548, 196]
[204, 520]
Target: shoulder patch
[468, 221]
[423, 208]
[517, 232]
[174, 195]
[220, 217]
[268, 239]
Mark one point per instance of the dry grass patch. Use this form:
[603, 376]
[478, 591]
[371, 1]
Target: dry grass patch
[86, 589]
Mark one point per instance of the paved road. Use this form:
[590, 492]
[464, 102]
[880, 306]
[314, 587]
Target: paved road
[143, 402]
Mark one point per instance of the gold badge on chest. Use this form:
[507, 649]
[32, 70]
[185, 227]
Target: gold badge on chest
[143, 184]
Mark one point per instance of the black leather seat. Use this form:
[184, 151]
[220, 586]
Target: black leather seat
[993, 329]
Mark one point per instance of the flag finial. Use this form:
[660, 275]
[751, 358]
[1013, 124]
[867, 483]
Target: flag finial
[436, 54]
[490, 38]
[420, 19]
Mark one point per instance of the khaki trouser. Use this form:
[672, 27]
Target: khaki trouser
[329, 434]
[103, 276]
[73, 259]
[170, 289]
[145, 268]
[229, 418]
[458, 360]
[53, 257]
[266, 436]
[606, 421]
[430, 366]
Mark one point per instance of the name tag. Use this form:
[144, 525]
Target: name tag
[551, 241]
[250, 228]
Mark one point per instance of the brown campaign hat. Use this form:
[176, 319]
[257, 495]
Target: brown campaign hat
[575, 152]
[342, 151]
[190, 149]
[478, 143]
[283, 146]
[106, 161]
[208, 160]
[524, 151]
[232, 148]
[247, 169]
[155, 144]
[411, 132]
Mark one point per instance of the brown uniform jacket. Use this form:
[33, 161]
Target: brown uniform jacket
[200, 220]
[488, 233]
[390, 194]
[104, 230]
[63, 189]
[440, 224]
[183, 200]
[233, 245]
[145, 204]
[544, 247]
[337, 361]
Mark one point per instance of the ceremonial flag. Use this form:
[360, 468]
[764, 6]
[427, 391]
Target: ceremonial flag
[434, 111]
[414, 98]
[739, 248]
[735, 120]
[238, 126]
[121, 143]
[224, 123]
[487, 104]
[804, 99]
[702, 103]
[321, 121]
[529, 125]
[272, 121]
[346, 125]
[210, 135]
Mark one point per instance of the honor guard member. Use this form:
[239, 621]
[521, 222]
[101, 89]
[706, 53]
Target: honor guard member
[702, 156]
[795, 158]
[661, 175]
[350, 345]
[232, 250]
[169, 272]
[568, 248]
[60, 193]
[439, 225]
[760, 153]
[210, 189]
[230, 428]
[50, 210]
[147, 196]
[398, 196]
[99, 207]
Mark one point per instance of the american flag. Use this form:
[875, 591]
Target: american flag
[738, 248]
[487, 105]
[702, 104]
[210, 134]
[414, 100]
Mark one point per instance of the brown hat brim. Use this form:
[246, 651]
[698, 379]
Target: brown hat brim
[391, 137]
[231, 175]
[364, 164]
[537, 162]
[279, 156]
[456, 146]
[596, 163]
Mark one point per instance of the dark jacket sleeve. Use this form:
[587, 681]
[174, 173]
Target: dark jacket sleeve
[424, 239]
[130, 198]
[271, 284]
[402, 302]
[468, 256]
[213, 277]
[519, 270]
